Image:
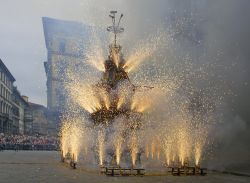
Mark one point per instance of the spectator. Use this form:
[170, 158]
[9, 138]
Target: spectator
[25, 142]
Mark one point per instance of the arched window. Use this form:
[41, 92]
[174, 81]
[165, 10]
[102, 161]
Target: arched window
[62, 46]
[1, 108]
[4, 107]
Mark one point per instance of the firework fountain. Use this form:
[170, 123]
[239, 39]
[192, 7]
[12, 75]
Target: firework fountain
[131, 123]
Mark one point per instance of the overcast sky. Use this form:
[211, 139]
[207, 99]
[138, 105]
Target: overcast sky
[22, 47]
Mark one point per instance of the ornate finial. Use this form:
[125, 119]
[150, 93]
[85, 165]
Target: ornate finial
[115, 28]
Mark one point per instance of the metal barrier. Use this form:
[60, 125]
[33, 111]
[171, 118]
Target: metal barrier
[187, 170]
[119, 171]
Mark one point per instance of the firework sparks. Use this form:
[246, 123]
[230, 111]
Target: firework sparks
[101, 146]
[134, 147]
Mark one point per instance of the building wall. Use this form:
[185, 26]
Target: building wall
[19, 105]
[6, 87]
[28, 124]
[65, 43]
[17, 115]
[40, 120]
[21, 120]
[15, 119]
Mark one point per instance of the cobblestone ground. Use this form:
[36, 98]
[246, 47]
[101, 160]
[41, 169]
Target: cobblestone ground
[36, 167]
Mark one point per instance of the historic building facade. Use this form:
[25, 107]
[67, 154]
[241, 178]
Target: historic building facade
[6, 89]
[17, 114]
[19, 107]
[65, 42]
[40, 121]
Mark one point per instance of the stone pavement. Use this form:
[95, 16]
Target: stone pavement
[42, 166]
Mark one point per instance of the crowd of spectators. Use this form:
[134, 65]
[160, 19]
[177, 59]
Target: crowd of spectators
[25, 142]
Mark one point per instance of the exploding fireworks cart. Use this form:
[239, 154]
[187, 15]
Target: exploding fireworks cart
[115, 74]
[114, 93]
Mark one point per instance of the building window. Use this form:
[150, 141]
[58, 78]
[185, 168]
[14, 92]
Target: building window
[62, 47]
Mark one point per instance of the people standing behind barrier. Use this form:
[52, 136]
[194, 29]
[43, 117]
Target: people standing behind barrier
[25, 142]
